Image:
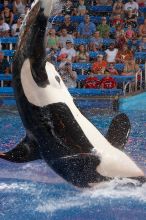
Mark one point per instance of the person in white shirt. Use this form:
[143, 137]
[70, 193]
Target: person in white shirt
[64, 37]
[4, 28]
[15, 29]
[69, 50]
[131, 5]
[111, 53]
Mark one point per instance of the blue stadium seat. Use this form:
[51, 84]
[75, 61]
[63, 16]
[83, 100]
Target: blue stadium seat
[8, 53]
[95, 92]
[100, 8]
[78, 41]
[140, 55]
[93, 54]
[79, 66]
[142, 9]
[9, 40]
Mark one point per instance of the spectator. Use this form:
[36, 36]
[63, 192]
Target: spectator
[117, 20]
[130, 19]
[64, 37]
[4, 28]
[15, 30]
[52, 56]
[8, 16]
[120, 36]
[92, 82]
[103, 28]
[130, 34]
[4, 64]
[142, 45]
[96, 42]
[81, 8]
[111, 69]
[142, 29]
[52, 40]
[100, 65]
[108, 82]
[131, 5]
[69, 76]
[86, 28]
[118, 8]
[69, 50]
[131, 68]
[141, 3]
[82, 56]
[111, 53]
[68, 25]
[68, 8]
[124, 54]
[18, 7]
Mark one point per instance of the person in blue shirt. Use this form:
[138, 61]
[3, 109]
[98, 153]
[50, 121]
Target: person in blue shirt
[86, 28]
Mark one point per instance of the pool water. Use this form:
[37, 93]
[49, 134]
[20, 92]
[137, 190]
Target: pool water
[32, 191]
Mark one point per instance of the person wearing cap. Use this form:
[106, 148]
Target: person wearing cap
[68, 75]
[103, 28]
[86, 28]
[69, 50]
[100, 65]
[64, 37]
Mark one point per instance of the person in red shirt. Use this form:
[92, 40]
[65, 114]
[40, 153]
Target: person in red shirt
[92, 82]
[99, 66]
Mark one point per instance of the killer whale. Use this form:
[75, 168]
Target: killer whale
[56, 131]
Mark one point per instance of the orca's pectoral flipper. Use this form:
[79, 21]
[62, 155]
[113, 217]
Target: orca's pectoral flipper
[27, 150]
[79, 169]
[118, 131]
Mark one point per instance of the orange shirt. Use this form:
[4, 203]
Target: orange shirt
[98, 66]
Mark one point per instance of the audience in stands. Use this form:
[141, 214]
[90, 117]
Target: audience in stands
[121, 24]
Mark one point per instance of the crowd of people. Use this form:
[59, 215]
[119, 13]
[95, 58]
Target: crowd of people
[123, 29]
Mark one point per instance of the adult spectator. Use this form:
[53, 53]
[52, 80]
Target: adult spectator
[86, 28]
[68, 8]
[131, 67]
[82, 56]
[108, 82]
[4, 28]
[68, 76]
[124, 54]
[111, 53]
[69, 50]
[52, 56]
[130, 19]
[130, 34]
[92, 82]
[96, 42]
[118, 8]
[8, 15]
[82, 8]
[65, 37]
[131, 5]
[142, 45]
[4, 64]
[52, 39]
[18, 7]
[99, 66]
[103, 28]
[142, 29]
[15, 29]
[120, 36]
[67, 24]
